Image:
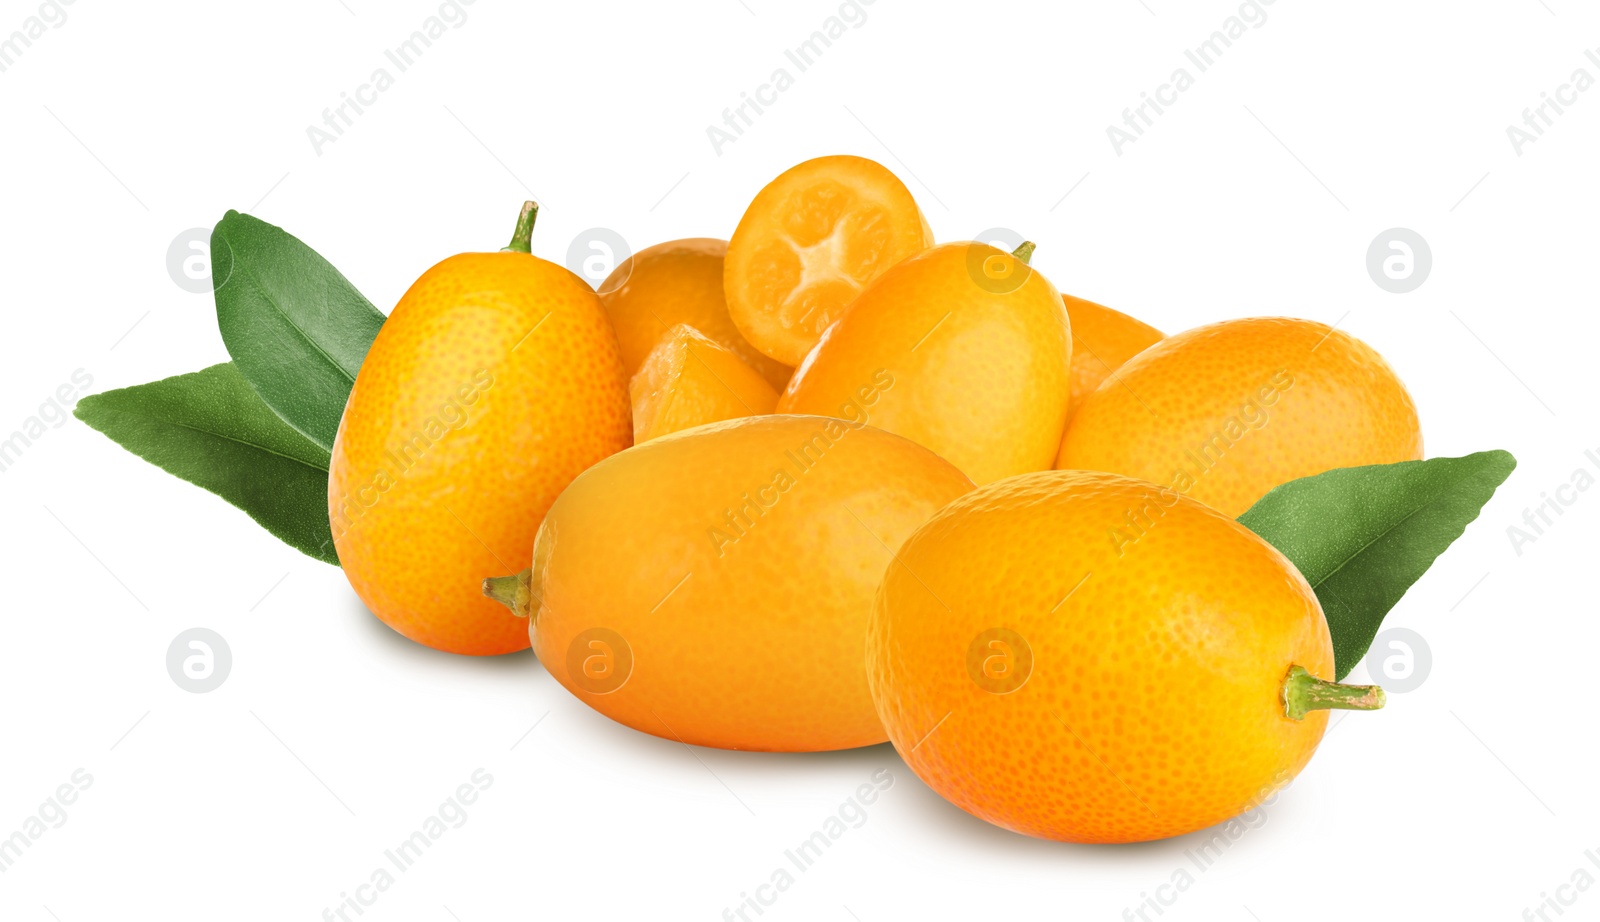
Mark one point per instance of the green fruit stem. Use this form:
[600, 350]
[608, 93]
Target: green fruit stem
[512, 591]
[1304, 693]
[522, 236]
[1025, 251]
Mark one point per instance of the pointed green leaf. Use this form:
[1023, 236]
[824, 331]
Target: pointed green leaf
[1362, 535]
[211, 429]
[295, 327]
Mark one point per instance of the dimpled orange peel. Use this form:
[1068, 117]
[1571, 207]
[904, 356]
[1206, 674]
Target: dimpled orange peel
[978, 345]
[1226, 412]
[495, 380]
[808, 244]
[1102, 339]
[679, 281]
[688, 381]
[713, 586]
[1090, 658]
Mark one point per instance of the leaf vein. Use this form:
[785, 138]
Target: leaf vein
[218, 435]
[259, 287]
[1376, 538]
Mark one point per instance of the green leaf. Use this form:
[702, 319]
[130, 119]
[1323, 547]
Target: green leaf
[211, 429]
[295, 327]
[1362, 535]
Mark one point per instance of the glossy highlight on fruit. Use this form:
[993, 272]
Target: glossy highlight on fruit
[1090, 658]
[978, 346]
[713, 586]
[1224, 413]
[689, 381]
[1102, 339]
[679, 281]
[494, 382]
[809, 243]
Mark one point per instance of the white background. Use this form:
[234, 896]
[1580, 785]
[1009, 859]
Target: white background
[332, 740]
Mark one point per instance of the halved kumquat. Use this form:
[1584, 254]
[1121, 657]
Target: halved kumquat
[809, 243]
